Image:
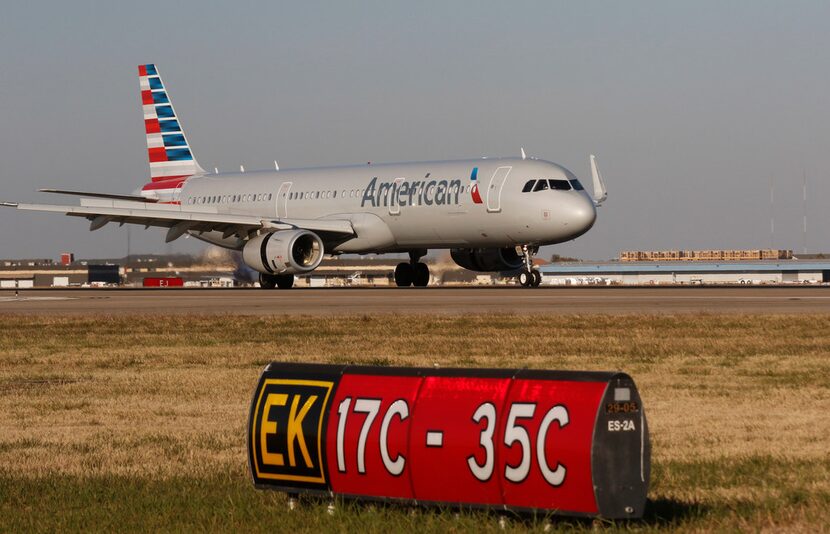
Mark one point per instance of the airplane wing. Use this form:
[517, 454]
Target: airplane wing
[179, 221]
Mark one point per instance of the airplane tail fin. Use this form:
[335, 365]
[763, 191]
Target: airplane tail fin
[171, 160]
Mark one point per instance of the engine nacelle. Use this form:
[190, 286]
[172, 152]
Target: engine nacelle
[487, 259]
[284, 252]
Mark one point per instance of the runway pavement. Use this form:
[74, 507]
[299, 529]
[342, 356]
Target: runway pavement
[457, 300]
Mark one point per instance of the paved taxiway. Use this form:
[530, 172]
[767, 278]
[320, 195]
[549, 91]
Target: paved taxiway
[460, 300]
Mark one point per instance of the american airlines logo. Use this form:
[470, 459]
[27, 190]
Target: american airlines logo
[474, 189]
[414, 193]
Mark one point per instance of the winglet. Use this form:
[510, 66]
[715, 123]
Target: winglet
[600, 193]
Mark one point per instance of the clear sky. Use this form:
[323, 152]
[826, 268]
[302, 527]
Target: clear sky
[692, 108]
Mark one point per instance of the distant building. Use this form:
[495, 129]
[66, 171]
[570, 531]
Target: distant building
[27, 263]
[705, 255]
[654, 273]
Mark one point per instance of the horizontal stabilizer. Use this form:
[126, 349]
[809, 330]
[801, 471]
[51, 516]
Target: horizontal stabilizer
[134, 198]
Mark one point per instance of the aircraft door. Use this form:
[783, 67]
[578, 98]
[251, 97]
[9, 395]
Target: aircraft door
[282, 200]
[495, 188]
[394, 205]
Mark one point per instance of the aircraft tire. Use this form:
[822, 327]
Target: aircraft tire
[285, 281]
[421, 278]
[537, 278]
[404, 275]
[525, 278]
[267, 281]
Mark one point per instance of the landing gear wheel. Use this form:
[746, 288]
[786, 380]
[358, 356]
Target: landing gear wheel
[285, 281]
[421, 278]
[267, 281]
[529, 277]
[404, 275]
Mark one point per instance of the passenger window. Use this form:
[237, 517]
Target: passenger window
[528, 186]
[560, 185]
[541, 185]
[576, 185]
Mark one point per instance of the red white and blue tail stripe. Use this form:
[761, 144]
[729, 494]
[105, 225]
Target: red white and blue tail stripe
[171, 159]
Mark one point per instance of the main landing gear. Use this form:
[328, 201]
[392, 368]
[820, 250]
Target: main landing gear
[529, 277]
[413, 273]
[270, 281]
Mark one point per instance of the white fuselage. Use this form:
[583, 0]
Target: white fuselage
[405, 206]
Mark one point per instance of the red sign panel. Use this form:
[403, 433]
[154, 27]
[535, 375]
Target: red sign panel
[368, 435]
[570, 442]
[455, 427]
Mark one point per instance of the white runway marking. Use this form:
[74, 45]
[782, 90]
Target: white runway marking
[25, 299]
[679, 297]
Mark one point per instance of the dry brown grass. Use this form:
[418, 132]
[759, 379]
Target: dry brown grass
[155, 397]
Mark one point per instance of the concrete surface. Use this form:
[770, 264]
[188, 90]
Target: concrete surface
[584, 300]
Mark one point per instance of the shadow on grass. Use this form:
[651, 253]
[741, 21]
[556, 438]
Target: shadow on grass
[661, 512]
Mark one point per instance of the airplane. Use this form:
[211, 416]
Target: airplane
[492, 213]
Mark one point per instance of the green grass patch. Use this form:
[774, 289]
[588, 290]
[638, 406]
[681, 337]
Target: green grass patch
[685, 496]
[138, 423]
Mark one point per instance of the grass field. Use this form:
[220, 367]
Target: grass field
[138, 423]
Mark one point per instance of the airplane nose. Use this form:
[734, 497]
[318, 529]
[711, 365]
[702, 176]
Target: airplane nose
[580, 214]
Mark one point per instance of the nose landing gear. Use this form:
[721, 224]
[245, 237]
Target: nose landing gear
[413, 273]
[529, 277]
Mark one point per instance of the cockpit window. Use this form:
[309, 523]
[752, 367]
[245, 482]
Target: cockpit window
[541, 185]
[528, 186]
[560, 185]
[577, 185]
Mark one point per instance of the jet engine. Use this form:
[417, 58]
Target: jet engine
[284, 252]
[488, 259]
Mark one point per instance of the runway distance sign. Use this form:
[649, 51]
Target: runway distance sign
[567, 442]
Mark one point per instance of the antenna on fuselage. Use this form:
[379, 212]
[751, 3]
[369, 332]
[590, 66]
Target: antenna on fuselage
[276, 165]
[524, 156]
